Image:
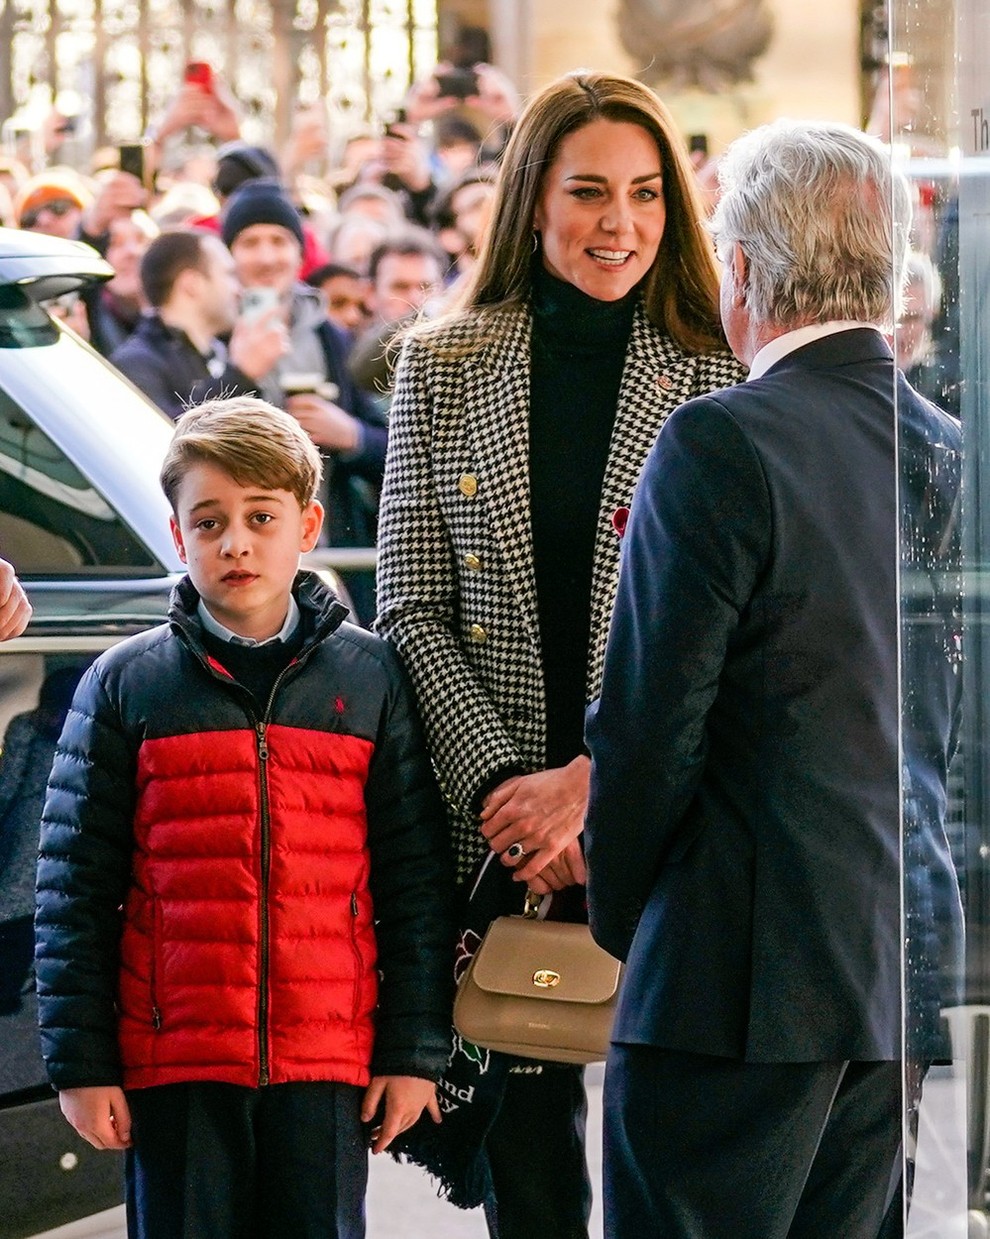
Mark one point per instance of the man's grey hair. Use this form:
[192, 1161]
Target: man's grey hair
[822, 218]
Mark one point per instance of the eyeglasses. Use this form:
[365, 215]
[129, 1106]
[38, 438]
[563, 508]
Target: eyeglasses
[57, 207]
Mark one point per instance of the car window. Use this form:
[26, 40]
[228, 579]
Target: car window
[22, 323]
[52, 520]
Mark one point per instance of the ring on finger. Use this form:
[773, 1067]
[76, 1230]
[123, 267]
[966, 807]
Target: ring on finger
[515, 851]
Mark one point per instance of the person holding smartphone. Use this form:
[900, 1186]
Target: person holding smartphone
[203, 101]
[181, 353]
[264, 233]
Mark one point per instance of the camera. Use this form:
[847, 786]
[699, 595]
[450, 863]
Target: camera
[457, 83]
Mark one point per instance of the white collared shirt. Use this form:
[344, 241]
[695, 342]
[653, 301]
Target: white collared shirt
[779, 348]
[218, 630]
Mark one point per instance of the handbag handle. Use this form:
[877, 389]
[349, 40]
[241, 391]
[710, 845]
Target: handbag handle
[531, 907]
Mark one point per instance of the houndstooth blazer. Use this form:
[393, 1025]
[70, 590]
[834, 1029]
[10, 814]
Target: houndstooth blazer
[456, 584]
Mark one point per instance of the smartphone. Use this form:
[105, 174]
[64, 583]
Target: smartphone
[256, 302]
[200, 74]
[131, 156]
[457, 83]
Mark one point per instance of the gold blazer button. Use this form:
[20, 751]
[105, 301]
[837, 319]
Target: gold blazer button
[468, 485]
[478, 634]
[472, 561]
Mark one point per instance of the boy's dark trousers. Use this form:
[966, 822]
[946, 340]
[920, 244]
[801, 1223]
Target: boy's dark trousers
[219, 1161]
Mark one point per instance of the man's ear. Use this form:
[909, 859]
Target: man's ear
[189, 281]
[177, 538]
[739, 265]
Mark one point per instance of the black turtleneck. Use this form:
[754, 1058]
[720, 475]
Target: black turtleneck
[578, 352]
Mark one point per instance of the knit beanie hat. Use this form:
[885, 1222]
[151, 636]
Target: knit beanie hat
[238, 162]
[48, 186]
[259, 202]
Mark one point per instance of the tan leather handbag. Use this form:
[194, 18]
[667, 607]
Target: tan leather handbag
[539, 989]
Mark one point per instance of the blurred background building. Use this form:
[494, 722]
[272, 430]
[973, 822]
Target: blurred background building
[723, 65]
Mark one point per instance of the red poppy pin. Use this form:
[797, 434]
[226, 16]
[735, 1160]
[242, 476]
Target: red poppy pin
[620, 518]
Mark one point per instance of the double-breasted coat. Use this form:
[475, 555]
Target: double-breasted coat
[456, 582]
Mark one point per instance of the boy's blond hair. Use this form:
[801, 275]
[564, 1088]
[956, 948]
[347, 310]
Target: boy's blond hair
[251, 441]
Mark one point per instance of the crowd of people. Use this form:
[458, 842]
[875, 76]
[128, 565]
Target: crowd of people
[389, 230]
[238, 269]
[686, 729]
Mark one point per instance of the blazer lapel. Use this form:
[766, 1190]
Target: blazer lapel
[498, 426]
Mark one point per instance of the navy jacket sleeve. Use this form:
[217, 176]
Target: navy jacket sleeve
[412, 891]
[698, 535]
[83, 870]
[368, 459]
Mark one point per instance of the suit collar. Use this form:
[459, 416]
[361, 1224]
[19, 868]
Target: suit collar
[839, 345]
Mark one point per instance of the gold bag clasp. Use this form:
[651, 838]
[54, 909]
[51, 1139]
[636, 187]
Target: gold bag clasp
[546, 978]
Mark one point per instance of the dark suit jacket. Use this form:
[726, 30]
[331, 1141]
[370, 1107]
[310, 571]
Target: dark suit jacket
[743, 836]
[165, 364]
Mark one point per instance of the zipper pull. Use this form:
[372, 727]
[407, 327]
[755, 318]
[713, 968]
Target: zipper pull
[262, 742]
[156, 1018]
[354, 907]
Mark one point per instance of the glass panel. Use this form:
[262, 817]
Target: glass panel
[938, 92]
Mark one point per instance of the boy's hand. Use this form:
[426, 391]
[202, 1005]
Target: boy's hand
[406, 1097]
[100, 1115]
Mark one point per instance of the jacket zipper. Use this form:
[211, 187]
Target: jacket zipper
[266, 864]
[261, 733]
[357, 953]
[261, 739]
[156, 930]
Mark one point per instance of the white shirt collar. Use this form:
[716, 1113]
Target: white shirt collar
[790, 341]
[214, 626]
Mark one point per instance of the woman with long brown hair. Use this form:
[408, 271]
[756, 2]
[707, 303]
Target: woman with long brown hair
[519, 425]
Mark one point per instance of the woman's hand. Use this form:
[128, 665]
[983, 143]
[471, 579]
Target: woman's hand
[564, 870]
[542, 814]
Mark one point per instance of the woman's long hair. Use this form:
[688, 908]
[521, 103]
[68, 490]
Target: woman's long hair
[681, 289]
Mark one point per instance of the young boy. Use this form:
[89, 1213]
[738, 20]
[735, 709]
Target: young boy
[243, 938]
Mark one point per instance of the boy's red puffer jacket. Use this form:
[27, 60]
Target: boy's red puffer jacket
[256, 861]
